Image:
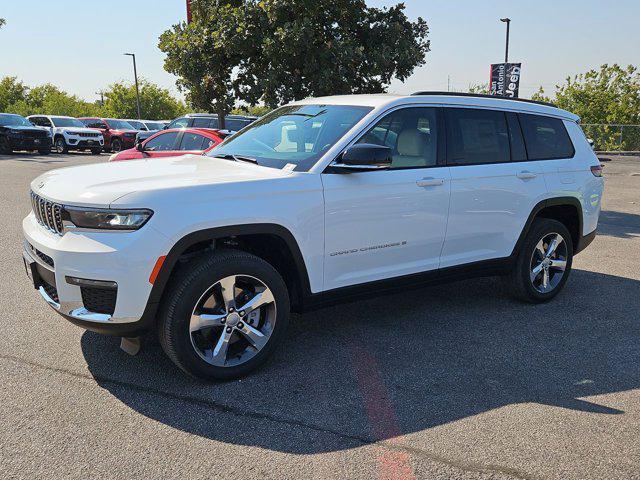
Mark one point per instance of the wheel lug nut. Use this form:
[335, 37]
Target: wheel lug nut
[242, 313]
[240, 325]
[229, 329]
[224, 320]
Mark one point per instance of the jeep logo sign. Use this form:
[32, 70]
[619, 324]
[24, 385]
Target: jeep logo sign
[505, 79]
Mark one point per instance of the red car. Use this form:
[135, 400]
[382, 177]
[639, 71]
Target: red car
[169, 143]
[117, 134]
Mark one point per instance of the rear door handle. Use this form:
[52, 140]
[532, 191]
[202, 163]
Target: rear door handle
[430, 182]
[525, 174]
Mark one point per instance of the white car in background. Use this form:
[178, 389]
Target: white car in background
[69, 133]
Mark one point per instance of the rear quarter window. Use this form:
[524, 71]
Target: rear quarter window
[546, 138]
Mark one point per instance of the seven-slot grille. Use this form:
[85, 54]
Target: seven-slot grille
[85, 134]
[47, 213]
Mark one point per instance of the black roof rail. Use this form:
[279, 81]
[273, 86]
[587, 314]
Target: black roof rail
[482, 95]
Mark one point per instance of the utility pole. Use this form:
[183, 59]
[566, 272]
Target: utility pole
[135, 74]
[101, 93]
[448, 83]
[506, 48]
[188, 11]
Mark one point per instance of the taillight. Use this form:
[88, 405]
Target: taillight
[596, 170]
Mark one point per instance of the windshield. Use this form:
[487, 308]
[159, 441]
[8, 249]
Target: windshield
[119, 124]
[154, 125]
[135, 124]
[67, 122]
[11, 120]
[294, 134]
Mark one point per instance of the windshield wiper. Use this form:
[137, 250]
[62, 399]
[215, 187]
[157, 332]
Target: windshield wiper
[237, 158]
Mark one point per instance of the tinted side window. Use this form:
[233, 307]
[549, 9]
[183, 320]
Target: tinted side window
[162, 142]
[546, 138]
[192, 141]
[200, 122]
[476, 136]
[179, 123]
[518, 152]
[236, 124]
[412, 135]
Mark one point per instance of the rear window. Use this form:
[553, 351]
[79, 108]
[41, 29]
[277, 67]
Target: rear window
[546, 138]
[476, 136]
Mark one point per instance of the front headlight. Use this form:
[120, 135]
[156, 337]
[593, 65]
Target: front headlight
[107, 219]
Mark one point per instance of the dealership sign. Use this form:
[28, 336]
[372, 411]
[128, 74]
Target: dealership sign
[505, 79]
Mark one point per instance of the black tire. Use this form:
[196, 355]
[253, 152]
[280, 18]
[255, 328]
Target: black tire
[188, 287]
[5, 148]
[44, 151]
[60, 145]
[96, 151]
[519, 282]
[116, 145]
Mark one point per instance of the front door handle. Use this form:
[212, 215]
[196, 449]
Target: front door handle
[525, 175]
[430, 182]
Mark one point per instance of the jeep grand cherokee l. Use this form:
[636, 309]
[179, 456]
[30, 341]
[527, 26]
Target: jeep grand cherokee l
[320, 200]
[69, 133]
[118, 134]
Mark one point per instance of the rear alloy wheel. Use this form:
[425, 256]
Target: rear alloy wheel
[224, 315]
[116, 145]
[60, 145]
[543, 264]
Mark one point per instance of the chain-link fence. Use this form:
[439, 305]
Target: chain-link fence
[613, 137]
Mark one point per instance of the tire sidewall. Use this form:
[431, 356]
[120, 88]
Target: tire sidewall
[116, 145]
[63, 147]
[184, 298]
[539, 230]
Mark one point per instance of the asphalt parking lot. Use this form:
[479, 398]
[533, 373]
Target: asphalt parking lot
[454, 381]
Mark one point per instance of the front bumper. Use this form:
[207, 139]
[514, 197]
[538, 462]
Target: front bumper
[126, 258]
[74, 141]
[29, 143]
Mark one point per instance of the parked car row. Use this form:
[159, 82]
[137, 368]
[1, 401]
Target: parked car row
[42, 133]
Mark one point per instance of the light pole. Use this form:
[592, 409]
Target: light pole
[135, 74]
[506, 48]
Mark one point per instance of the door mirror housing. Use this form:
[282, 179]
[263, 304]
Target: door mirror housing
[364, 157]
[140, 146]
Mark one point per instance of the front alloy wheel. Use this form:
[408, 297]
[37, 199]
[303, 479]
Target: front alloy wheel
[223, 315]
[232, 321]
[60, 145]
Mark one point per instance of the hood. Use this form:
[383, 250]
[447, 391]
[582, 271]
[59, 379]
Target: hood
[26, 128]
[101, 184]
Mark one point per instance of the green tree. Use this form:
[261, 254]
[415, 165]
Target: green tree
[275, 51]
[12, 91]
[50, 99]
[203, 54]
[329, 47]
[608, 95]
[155, 102]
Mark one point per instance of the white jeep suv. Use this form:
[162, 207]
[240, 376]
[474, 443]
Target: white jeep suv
[319, 201]
[69, 133]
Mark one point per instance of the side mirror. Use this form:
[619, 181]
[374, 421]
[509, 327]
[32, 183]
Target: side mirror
[140, 147]
[364, 157]
[591, 142]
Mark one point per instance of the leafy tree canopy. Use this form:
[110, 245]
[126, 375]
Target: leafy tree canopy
[604, 96]
[155, 102]
[610, 94]
[275, 51]
[120, 101]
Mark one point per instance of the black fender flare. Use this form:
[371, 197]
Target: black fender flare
[549, 202]
[193, 238]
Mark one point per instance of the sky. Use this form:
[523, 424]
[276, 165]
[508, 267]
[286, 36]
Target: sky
[78, 45]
